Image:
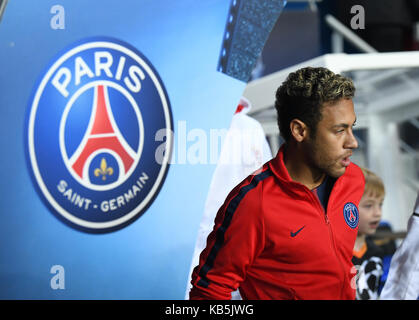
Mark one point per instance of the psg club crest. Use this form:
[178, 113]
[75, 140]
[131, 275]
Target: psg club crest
[90, 133]
[351, 215]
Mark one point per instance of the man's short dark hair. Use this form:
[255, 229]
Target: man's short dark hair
[303, 94]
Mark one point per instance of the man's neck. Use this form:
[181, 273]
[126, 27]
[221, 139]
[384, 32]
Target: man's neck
[299, 170]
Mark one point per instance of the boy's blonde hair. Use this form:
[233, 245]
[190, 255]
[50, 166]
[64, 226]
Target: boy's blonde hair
[374, 186]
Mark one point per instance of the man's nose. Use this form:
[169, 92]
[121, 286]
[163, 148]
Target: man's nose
[351, 142]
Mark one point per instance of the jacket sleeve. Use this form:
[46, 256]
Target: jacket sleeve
[235, 241]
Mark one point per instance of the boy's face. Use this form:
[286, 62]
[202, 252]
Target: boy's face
[369, 214]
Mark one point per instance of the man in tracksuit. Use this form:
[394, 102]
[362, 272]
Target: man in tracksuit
[288, 230]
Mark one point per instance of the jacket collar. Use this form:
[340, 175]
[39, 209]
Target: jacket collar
[277, 166]
[279, 169]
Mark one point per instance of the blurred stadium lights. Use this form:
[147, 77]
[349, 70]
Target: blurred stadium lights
[247, 29]
[2, 7]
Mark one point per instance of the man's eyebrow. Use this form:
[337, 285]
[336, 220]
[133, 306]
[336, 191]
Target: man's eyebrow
[343, 125]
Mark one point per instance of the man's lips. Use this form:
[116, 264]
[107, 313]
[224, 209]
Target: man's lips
[346, 161]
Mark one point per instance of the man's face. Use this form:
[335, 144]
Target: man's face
[332, 145]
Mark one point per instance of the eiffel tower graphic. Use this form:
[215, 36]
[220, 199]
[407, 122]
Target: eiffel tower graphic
[102, 134]
[352, 217]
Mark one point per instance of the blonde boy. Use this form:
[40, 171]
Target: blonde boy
[367, 256]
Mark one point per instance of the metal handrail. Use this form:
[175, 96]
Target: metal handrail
[348, 34]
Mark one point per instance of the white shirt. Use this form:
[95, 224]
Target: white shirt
[403, 278]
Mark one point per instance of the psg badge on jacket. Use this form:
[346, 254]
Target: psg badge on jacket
[90, 134]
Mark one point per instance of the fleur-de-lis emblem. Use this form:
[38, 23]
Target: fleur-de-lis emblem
[104, 170]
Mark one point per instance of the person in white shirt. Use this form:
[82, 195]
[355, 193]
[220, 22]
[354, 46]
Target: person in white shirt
[403, 278]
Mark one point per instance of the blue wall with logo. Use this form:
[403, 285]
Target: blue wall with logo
[149, 258]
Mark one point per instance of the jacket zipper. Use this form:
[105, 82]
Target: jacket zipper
[329, 227]
[335, 251]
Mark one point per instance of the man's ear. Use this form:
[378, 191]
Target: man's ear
[299, 130]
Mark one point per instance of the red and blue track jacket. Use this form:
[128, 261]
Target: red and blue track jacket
[273, 239]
